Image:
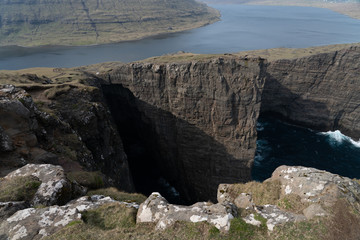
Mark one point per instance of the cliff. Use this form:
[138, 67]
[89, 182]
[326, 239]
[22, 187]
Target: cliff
[319, 91]
[201, 115]
[62, 124]
[85, 22]
[197, 117]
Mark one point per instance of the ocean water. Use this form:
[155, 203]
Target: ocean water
[241, 28]
[280, 143]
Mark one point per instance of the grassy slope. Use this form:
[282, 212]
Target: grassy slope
[350, 9]
[81, 22]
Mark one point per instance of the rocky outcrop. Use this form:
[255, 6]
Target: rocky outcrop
[156, 209]
[55, 188]
[313, 191]
[316, 186]
[320, 91]
[61, 128]
[201, 115]
[37, 223]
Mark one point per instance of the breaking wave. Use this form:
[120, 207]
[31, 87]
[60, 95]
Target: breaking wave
[336, 138]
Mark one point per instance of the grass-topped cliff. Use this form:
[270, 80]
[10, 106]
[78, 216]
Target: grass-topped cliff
[85, 22]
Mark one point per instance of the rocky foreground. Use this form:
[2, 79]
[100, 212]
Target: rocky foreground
[293, 195]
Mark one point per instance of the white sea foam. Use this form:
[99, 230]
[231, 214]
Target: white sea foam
[336, 138]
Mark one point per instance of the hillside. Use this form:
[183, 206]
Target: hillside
[85, 22]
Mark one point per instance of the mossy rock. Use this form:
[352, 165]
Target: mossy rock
[19, 188]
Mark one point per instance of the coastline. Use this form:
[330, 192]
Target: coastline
[349, 9]
[112, 34]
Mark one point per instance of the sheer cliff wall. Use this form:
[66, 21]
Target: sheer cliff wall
[198, 118]
[203, 117]
[319, 91]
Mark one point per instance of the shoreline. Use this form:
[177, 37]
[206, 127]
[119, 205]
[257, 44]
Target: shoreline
[351, 10]
[109, 43]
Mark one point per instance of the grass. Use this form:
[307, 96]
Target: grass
[272, 54]
[91, 180]
[262, 193]
[18, 188]
[119, 195]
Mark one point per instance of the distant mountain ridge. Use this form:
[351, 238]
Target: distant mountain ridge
[84, 22]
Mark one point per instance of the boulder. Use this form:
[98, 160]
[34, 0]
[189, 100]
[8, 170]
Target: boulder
[32, 223]
[316, 186]
[156, 209]
[55, 188]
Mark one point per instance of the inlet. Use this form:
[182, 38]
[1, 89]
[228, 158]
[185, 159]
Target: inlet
[281, 143]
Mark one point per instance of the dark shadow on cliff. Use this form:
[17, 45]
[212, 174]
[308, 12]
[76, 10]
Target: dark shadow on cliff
[160, 145]
[281, 103]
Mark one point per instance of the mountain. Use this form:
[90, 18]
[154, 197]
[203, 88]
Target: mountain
[85, 22]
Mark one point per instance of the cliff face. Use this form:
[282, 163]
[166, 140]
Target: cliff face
[320, 91]
[202, 116]
[65, 125]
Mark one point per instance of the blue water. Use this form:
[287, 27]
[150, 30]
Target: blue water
[284, 144]
[241, 28]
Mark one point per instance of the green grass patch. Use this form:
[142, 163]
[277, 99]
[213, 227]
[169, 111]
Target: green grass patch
[91, 180]
[19, 188]
[262, 193]
[119, 195]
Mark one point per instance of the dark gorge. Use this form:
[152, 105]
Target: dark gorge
[194, 123]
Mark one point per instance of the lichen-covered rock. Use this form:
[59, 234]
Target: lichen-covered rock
[316, 186]
[31, 223]
[156, 209]
[301, 189]
[275, 216]
[55, 188]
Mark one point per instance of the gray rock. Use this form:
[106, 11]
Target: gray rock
[314, 210]
[55, 187]
[9, 208]
[274, 216]
[156, 209]
[316, 186]
[244, 200]
[6, 145]
[31, 223]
